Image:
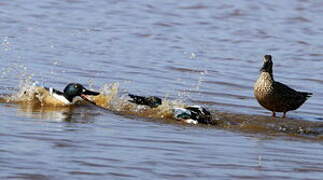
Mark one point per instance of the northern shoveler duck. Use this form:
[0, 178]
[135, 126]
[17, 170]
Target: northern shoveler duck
[276, 96]
[190, 114]
[53, 97]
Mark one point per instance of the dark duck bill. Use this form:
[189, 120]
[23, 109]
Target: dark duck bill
[268, 64]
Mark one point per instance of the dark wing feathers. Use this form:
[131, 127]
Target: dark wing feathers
[284, 90]
[280, 87]
[151, 101]
[137, 99]
[291, 97]
[200, 114]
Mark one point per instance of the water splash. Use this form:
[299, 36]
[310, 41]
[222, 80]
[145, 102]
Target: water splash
[112, 99]
[18, 72]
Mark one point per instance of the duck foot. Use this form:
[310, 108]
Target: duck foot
[284, 115]
[274, 114]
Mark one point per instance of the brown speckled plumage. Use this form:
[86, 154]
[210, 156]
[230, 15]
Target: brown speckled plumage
[276, 96]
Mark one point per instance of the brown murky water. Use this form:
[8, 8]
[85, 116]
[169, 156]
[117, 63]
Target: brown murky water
[192, 52]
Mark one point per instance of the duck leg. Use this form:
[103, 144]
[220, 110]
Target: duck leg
[284, 114]
[274, 114]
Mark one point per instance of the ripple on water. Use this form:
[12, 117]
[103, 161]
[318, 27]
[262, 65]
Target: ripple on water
[198, 52]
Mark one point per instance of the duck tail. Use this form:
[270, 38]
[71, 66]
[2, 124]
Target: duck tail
[306, 94]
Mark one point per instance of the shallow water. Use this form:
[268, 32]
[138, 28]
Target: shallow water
[198, 52]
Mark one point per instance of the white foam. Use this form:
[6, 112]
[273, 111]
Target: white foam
[191, 121]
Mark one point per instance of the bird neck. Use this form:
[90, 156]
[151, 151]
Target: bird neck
[68, 97]
[267, 76]
[265, 80]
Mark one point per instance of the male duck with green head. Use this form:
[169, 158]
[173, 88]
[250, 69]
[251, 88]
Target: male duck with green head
[53, 97]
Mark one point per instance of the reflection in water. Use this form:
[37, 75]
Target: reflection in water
[35, 110]
[74, 113]
[200, 52]
[78, 113]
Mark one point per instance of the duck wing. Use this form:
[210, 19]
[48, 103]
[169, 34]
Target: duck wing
[199, 113]
[284, 89]
[151, 101]
[291, 97]
[182, 113]
[137, 99]
[289, 92]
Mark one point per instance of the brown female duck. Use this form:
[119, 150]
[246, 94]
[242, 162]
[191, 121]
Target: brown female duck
[276, 96]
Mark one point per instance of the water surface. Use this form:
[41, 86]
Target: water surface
[199, 52]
